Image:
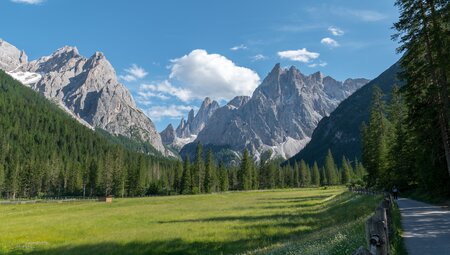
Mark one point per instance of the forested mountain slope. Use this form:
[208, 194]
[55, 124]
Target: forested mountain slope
[43, 151]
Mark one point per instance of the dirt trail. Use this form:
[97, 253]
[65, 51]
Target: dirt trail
[426, 227]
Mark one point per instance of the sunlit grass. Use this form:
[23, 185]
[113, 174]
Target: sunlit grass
[276, 221]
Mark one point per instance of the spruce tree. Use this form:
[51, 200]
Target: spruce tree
[330, 169]
[198, 170]
[346, 171]
[208, 180]
[186, 186]
[223, 177]
[315, 179]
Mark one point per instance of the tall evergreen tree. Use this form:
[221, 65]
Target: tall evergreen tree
[186, 185]
[223, 177]
[346, 171]
[330, 169]
[198, 170]
[245, 172]
[423, 33]
[315, 176]
[208, 180]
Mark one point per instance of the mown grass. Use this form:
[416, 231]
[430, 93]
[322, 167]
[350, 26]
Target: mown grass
[299, 221]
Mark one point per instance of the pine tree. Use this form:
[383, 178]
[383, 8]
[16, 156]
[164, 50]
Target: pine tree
[223, 177]
[346, 171]
[198, 170]
[315, 179]
[296, 171]
[177, 177]
[330, 169]
[208, 180]
[245, 172]
[423, 33]
[186, 186]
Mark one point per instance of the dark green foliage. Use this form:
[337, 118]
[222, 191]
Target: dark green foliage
[186, 178]
[223, 177]
[315, 175]
[209, 183]
[424, 34]
[245, 172]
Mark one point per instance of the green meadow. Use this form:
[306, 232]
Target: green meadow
[296, 221]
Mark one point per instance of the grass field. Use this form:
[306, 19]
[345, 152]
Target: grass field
[300, 221]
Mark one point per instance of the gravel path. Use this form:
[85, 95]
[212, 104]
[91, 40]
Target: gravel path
[426, 227]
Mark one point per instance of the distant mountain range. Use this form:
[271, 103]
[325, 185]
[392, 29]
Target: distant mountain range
[341, 131]
[87, 88]
[280, 117]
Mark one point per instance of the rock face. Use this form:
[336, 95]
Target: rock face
[187, 131]
[280, 116]
[88, 88]
[11, 57]
[341, 130]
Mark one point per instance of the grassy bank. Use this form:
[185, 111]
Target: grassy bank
[256, 222]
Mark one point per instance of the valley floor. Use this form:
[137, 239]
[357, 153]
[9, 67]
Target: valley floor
[303, 221]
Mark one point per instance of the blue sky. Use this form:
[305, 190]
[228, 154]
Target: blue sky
[171, 54]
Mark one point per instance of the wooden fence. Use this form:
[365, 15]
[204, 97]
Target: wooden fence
[379, 228]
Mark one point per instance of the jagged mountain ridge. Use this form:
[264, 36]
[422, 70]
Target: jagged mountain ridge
[341, 131]
[187, 131]
[87, 88]
[280, 116]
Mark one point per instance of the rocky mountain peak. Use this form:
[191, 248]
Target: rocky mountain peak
[317, 76]
[238, 101]
[280, 116]
[168, 135]
[11, 57]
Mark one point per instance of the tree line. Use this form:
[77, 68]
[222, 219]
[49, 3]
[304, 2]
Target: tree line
[406, 142]
[205, 176]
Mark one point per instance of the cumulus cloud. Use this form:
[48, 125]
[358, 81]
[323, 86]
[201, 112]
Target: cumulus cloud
[329, 42]
[27, 1]
[238, 47]
[258, 57]
[164, 90]
[168, 111]
[336, 31]
[133, 73]
[301, 55]
[203, 74]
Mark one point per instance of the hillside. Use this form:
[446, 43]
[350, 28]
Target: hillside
[43, 151]
[341, 131]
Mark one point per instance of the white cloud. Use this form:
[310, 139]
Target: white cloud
[301, 55]
[136, 71]
[127, 77]
[336, 31]
[364, 15]
[321, 63]
[238, 47]
[133, 73]
[213, 75]
[166, 89]
[168, 111]
[329, 42]
[258, 57]
[27, 1]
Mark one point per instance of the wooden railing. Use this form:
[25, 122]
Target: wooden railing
[379, 229]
